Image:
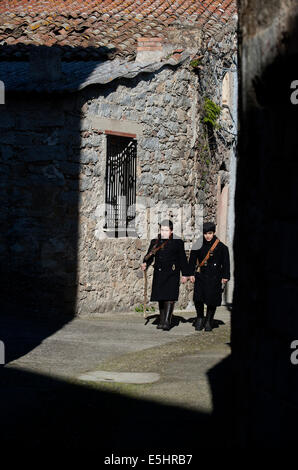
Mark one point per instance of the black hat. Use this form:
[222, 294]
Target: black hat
[208, 227]
[166, 223]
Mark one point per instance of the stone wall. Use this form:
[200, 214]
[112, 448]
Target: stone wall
[218, 59]
[220, 83]
[40, 170]
[164, 107]
[216, 147]
[168, 108]
[54, 152]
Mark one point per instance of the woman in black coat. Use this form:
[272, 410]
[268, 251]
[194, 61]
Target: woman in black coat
[170, 259]
[209, 278]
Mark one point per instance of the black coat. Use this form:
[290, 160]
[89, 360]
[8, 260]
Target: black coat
[169, 261]
[207, 287]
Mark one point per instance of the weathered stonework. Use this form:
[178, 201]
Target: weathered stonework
[60, 153]
[216, 148]
[54, 152]
[162, 107]
[213, 147]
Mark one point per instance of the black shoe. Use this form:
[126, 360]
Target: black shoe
[209, 319]
[200, 320]
[199, 323]
[161, 319]
[169, 307]
[161, 316]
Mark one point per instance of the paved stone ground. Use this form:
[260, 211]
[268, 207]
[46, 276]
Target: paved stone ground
[130, 343]
[117, 343]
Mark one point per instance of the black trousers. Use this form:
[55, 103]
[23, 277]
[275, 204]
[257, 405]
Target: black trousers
[200, 309]
[161, 303]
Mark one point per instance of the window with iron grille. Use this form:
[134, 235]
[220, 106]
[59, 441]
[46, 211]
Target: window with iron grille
[120, 185]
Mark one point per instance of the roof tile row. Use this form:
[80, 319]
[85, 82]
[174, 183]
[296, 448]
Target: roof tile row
[98, 23]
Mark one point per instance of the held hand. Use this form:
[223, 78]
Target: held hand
[143, 266]
[192, 279]
[224, 280]
[183, 279]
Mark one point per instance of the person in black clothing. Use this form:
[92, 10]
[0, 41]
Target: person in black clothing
[170, 259]
[210, 278]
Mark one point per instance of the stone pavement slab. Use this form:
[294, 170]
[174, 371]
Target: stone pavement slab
[83, 344]
[120, 377]
[48, 396]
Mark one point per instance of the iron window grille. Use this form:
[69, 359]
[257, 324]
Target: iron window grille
[120, 199]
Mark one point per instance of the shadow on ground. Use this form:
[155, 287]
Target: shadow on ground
[21, 336]
[177, 319]
[43, 412]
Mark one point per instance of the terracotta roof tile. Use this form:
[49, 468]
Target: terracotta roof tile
[95, 22]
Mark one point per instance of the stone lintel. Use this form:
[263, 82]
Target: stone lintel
[123, 127]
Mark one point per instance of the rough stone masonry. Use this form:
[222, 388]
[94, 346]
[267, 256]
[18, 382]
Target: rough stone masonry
[53, 150]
